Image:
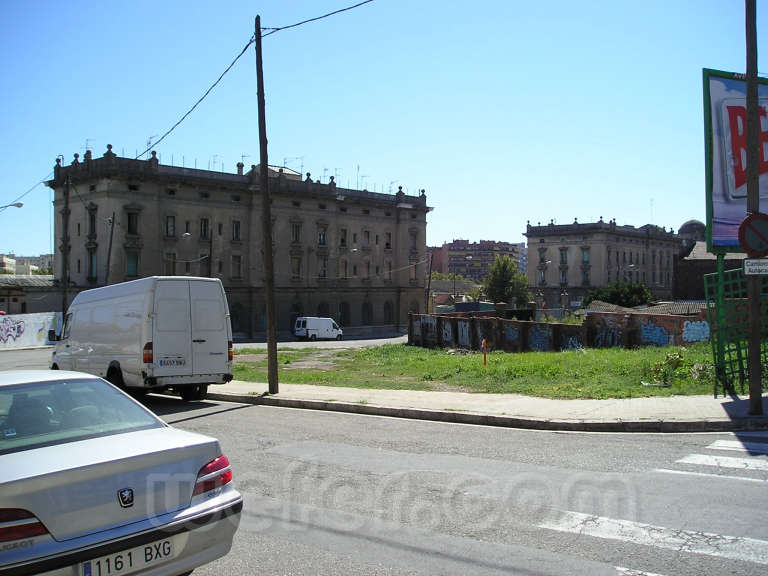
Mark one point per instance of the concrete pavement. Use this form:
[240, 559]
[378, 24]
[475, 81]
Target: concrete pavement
[673, 414]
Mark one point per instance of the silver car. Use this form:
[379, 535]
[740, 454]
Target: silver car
[93, 484]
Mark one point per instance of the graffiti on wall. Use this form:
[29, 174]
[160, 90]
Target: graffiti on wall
[695, 331]
[511, 333]
[428, 327]
[11, 328]
[447, 333]
[538, 338]
[652, 334]
[608, 333]
[465, 339]
[571, 342]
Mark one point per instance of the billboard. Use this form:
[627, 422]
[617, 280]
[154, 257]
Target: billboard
[725, 119]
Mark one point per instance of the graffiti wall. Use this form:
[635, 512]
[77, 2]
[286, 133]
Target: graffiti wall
[26, 330]
[599, 330]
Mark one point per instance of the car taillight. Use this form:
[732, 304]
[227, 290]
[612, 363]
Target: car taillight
[147, 356]
[16, 524]
[213, 475]
[230, 352]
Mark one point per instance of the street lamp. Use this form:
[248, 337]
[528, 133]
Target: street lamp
[15, 205]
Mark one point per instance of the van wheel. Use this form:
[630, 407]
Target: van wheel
[55, 367]
[115, 376]
[194, 392]
[338, 337]
[313, 337]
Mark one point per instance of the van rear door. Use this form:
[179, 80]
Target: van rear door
[210, 328]
[171, 329]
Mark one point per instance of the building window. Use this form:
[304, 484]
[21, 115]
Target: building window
[187, 226]
[322, 267]
[354, 238]
[170, 264]
[343, 237]
[388, 240]
[170, 226]
[563, 255]
[133, 223]
[542, 278]
[585, 255]
[295, 232]
[344, 313]
[92, 222]
[377, 239]
[585, 277]
[366, 238]
[321, 236]
[354, 270]
[389, 270]
[236, 230]
[563, 277]
[78, 228]
[367, 269]
[413, 240]
[342, 269]
[78, 265]
[412, 271]
[389, 315]
[296, 267]
[187, 268]
[221, 229]
[204, 228]
[132, 264]
[237, 266]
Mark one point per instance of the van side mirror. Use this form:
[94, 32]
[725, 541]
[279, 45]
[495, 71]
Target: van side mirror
[52, 335]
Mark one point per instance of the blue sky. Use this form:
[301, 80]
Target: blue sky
[504, 111]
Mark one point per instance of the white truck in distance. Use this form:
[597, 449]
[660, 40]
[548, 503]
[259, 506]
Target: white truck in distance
[150, 334]
[312, 328]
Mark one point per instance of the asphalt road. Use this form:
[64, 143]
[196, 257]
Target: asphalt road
[330, 493]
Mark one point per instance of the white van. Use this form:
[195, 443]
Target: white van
[312, 328]
[150, 334]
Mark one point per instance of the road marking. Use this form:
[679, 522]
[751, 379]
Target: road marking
[738, 446]
[719, 476]
[631, 572]
[725, 462]
[731, 547]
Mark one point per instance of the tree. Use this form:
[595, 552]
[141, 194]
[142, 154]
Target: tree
[625, 294]
[505, 282]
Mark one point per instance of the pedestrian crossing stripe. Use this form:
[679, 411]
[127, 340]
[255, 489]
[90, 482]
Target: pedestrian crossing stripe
[705, 475]
[716, 545]
[725, 462]
[738, 446]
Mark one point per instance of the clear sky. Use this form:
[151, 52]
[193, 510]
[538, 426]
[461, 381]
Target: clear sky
[503, 110]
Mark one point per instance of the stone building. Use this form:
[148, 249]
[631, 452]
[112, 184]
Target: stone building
[567, 260]
[356, 256]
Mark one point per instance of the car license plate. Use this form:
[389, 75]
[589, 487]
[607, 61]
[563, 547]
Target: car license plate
[131, 560]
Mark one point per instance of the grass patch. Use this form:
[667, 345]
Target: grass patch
[587, 373]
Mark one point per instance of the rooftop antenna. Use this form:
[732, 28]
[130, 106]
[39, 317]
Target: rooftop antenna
[362, 178]
[390, 185]
[243, 157]
[149, 143]
[88, 144]
[286, 160]
[325, 171]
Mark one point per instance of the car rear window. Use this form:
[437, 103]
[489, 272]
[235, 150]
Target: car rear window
[39, 414]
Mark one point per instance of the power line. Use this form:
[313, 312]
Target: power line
[275, 30]
[251, 41]
[28, 191]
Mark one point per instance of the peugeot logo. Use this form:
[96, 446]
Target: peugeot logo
[125, 497]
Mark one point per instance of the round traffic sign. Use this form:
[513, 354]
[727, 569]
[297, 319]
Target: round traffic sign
[753, 235]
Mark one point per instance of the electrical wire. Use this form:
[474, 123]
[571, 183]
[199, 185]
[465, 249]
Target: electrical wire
[281, 28]
[203, 97]
[27, 192]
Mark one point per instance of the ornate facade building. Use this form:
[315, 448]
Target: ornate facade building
[567, 261]
[353, 255]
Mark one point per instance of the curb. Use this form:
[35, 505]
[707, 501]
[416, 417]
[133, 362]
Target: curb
[657, 426]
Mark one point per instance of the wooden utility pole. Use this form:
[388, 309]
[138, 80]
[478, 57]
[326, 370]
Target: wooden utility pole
[65, 249]
[266, 213]
[753, 207]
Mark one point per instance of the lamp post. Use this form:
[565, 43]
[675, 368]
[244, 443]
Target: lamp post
[14, 205]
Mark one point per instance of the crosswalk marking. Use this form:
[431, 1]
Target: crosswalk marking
[705, 475]
[631, 572]
[739, 446]
[730, 547]
[725, 462]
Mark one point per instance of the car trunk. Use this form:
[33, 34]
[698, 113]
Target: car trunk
[74, 489]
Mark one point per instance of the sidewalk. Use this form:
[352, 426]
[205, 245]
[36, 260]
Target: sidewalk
[674, 414]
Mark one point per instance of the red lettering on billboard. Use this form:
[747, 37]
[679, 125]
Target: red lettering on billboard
[737, 119]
